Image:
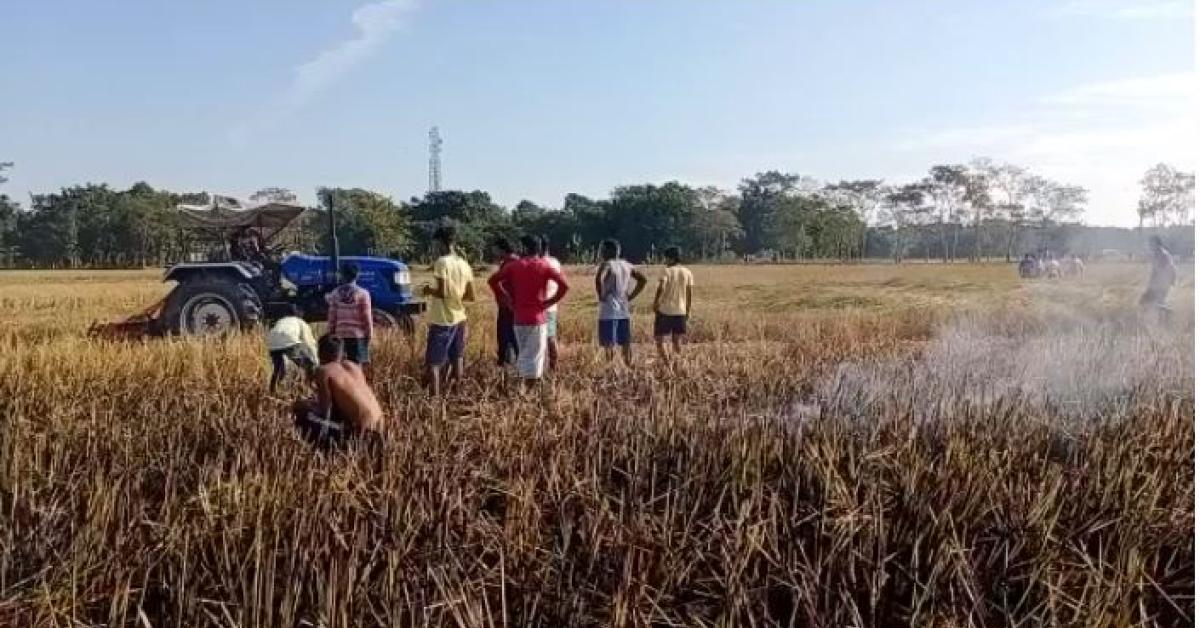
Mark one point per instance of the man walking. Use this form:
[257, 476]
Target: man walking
[552, 311]
[612, 290]
[447, 337]
[672, 305]
[349, 317]
[506, 339]
[1162, 279]
[522, 284]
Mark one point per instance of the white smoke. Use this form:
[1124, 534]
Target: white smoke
[374, 24]
[1071, 370]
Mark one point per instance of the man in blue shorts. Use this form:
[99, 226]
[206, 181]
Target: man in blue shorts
[612, 289]
[447, 313]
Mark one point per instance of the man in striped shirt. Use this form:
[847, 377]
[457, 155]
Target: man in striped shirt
[350, 316]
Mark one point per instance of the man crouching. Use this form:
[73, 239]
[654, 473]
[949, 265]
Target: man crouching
[345, 409]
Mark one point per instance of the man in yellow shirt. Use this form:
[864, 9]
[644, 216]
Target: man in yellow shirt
[447, 337]
[672, 304]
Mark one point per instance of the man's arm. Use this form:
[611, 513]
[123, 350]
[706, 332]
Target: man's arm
[495, 283]
[324, 398]
[688, 311]
[306, 335]
[658, 293]
[438, 291]
[600, 280]
[641, 283]
[469, 293]
[330, 313]
[365, 311]
[560, 281]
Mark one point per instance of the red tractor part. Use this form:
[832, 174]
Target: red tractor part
[136, 327]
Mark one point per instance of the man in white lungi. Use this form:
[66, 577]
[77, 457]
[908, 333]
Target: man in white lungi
[522, 285]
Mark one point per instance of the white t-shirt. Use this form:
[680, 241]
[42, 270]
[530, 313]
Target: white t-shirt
[551, 287]
[290, 331]
[614, 289]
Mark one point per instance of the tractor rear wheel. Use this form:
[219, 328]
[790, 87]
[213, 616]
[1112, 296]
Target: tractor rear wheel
[211, 307]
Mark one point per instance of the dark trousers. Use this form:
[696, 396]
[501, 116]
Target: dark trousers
[300, 355]
[506, 337]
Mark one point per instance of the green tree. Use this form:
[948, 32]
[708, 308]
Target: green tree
[811, 225]
[143, 221]
[713, 226]
[368, 223]
[1051, 203]
[649, 218]
[761, 197]
[557, 225]
[950, 187]
[9, 211]
[479, 220]
[592, 223]
[906, 208]
[1002, 188]
[864, 197]
[1168, 195]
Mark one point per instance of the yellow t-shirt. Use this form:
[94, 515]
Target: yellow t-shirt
[674, 283]
[456, 275]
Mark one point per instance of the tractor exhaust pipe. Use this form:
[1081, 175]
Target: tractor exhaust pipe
[334, 253]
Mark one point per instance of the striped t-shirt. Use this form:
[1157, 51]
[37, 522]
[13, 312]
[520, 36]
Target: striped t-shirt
[349, 312]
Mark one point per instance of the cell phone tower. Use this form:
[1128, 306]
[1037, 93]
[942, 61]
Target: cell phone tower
[435, 160]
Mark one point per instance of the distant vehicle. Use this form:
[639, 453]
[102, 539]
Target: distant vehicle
[252, 286]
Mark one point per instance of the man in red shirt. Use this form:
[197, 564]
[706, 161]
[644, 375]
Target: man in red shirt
[521, 284]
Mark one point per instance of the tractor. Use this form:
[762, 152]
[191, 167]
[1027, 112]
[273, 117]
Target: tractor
[242, 282]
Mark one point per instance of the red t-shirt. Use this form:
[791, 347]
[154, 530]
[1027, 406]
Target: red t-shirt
[525, 281]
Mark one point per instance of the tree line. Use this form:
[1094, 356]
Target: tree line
[980, 210]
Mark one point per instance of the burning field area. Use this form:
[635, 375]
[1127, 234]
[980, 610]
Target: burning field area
[885, 445]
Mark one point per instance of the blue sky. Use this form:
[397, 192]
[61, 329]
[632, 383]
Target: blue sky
[536, 99]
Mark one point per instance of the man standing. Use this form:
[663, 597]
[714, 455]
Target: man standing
[612, 289]
[349, 316]
[1162, 279]
[672, 304]
[552, 311]
[523, 285]
[345, 406]
[447, 313]
[506, 339]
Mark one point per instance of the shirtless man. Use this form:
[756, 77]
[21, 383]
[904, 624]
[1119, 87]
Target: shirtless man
[345, 407]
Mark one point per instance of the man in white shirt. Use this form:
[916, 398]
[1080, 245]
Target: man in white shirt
[292, 339]
[552, 311]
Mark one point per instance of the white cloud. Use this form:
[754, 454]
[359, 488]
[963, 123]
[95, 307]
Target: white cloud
[1102, 136]
[1124, 9]
[374, 24]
